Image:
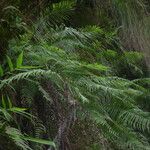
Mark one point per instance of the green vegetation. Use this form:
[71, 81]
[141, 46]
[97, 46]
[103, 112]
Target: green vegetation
[74, 75]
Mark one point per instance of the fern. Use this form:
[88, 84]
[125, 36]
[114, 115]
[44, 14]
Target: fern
[65, 75]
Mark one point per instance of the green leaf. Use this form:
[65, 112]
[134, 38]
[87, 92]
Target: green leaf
[19, 60]
[1, 71]
[83, 98]
[29, 67]
[9, 102]
[7, 116]
[96, 66]
[21, 111]
[3, 102]
[10, 64]
[17, 109]
[40, 141]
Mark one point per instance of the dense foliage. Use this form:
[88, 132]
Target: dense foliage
[74, 75]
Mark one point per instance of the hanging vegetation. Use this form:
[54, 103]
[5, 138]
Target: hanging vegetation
[74, 75]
